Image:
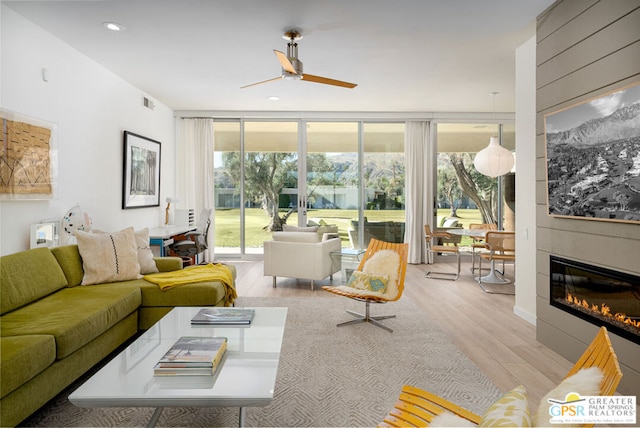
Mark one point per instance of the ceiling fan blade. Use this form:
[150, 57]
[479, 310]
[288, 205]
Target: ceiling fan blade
[327, 81]
[260, 83]
[284, 61]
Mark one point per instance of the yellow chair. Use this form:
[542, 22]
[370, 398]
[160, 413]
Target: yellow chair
[449, 246]
[375, 245]
[417, 407]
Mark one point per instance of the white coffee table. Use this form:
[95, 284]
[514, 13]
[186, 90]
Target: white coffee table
[246, 377]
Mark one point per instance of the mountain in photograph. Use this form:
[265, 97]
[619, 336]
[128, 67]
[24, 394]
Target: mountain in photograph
[622, 124]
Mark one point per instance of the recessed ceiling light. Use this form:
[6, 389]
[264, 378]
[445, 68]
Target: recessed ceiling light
[113, 26]
[273, 98]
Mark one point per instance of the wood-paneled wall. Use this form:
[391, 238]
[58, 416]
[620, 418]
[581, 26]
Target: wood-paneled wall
[585, 48]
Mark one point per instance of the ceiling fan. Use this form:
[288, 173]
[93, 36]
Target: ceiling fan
[292, 66]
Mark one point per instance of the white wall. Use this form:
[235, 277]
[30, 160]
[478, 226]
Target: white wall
[91, 107]
[525, 302]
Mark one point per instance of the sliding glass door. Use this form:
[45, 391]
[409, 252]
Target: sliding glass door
[333, 183]
[347, 177]
[465, 196]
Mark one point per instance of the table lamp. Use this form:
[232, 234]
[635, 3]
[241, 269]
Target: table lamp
[169, 201]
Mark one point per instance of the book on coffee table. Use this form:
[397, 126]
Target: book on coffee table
[223, 316]
[192, 356]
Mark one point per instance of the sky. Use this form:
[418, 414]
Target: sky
[596, 108]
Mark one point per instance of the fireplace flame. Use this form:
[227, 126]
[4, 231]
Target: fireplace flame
[603, 309]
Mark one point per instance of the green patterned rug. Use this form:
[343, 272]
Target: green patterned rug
[328, 376]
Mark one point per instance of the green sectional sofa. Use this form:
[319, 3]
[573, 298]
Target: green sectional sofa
[53, 329]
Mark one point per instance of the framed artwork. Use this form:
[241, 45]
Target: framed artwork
[593, 158]
[28, 157]
[45, 234]
[141, 172]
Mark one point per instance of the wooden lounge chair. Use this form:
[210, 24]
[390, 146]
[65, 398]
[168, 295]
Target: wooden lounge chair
[392, 293]
[417, 407]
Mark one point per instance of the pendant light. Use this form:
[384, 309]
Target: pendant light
[494, 160]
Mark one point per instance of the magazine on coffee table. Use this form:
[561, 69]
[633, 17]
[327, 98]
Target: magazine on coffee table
[223, 316]
[192, 356]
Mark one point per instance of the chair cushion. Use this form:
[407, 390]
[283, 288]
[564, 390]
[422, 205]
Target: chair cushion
[510, 410]
[584, 382]
[108, 257]
[385, 263]
[367, 281]
[74, 316]
[448, 419]
[23, 357]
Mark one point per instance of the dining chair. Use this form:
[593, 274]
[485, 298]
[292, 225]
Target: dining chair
[478, 242]
[449, 246]
[501, 246]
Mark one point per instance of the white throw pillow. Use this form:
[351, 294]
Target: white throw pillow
[145, 255]
[584, 382]
[108, 257]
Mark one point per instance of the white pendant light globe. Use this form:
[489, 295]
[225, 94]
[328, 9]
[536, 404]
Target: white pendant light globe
[494, 160]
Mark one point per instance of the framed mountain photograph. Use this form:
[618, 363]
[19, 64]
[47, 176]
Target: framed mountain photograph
[593, 158]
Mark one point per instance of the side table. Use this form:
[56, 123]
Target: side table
[349, 259]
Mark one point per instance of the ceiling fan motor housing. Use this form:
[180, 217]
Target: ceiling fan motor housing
[297, 66]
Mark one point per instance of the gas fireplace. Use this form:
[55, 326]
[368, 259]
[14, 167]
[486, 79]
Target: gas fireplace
[603, 297]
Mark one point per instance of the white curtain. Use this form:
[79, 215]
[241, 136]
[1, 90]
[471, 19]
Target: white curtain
[194, 170]
[419, 175]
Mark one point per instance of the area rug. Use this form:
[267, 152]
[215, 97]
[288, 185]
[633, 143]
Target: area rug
[328, 376]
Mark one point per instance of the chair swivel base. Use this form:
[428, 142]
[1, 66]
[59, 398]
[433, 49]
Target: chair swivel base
[366, 317]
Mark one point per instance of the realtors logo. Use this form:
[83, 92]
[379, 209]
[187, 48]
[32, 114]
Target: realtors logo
[577, 409]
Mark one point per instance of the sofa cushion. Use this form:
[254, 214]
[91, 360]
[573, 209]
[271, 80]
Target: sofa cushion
[22, 283]
[22, 358]
[74, 316]
[295, 237]
[196, 294]
[108, 257]
[69, 259]
[310, 229]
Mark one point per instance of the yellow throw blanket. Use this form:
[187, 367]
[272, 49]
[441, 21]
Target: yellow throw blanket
[200, 273]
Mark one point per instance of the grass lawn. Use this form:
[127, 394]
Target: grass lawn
[227, 222]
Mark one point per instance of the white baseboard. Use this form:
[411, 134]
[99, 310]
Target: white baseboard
[530, 318]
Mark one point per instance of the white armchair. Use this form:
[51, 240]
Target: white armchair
[300, 255]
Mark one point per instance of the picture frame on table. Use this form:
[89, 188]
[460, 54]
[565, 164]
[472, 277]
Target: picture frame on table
[141, 172]
[592, 154]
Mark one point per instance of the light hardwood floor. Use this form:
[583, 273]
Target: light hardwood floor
[482, 325]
